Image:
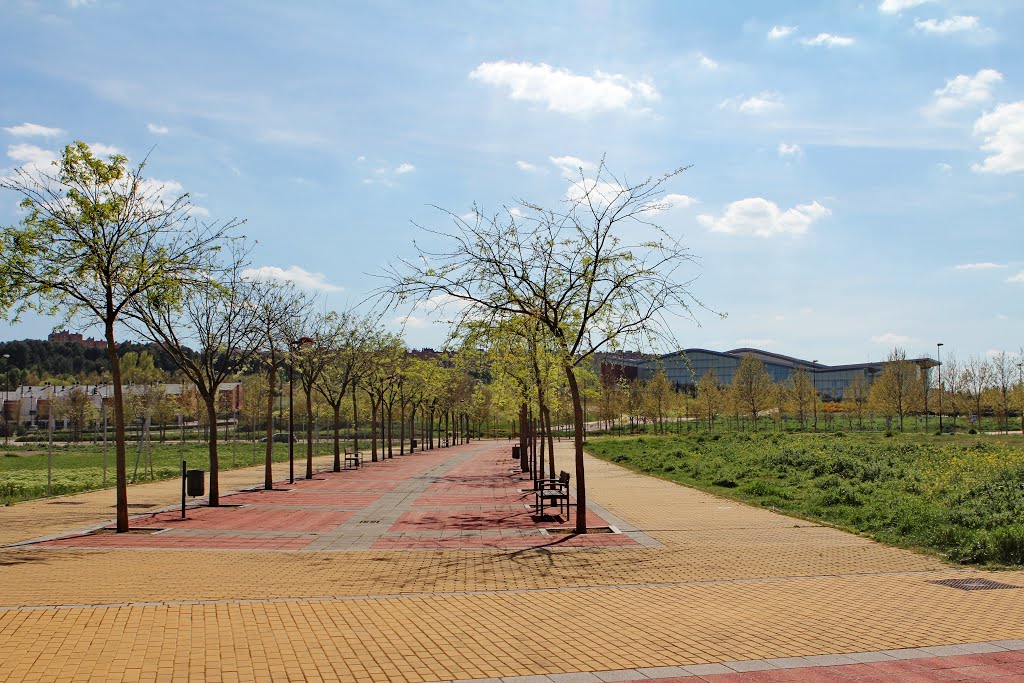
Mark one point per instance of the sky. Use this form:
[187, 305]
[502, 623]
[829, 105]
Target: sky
[856, 168]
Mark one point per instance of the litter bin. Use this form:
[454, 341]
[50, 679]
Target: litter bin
[195, 483]
[413, 444]
[515, 452]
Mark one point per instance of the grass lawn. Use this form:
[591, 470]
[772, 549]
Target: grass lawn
[962, 496]
[78, 468]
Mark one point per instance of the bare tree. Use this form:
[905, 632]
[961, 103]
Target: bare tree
[575, 270]
[977, 376]
[898, 390]
[96, 238]
[210, 332]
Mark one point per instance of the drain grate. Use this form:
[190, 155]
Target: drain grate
[369, 521]
[974, 584]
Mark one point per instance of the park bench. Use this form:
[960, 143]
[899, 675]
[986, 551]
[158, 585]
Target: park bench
[352, 460]
[552, 493]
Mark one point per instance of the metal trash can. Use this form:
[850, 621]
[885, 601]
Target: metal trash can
[413, 443]
[195, 483]
[515, 452]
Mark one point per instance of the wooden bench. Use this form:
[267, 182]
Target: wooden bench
[352, 460]
[551, 493]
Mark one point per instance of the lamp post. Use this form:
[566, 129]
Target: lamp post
[7, 431]
[938, 359]
[49, 442]
[814, 389]
[1020, 385]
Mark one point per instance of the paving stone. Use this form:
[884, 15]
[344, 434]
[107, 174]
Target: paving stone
[620, 675]
[707, 669]
[664, 671]
[749, 665]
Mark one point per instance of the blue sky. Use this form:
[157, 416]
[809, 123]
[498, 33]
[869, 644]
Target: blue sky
[856, 173]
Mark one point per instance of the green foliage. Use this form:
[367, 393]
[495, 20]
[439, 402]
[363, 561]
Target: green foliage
[960, 496]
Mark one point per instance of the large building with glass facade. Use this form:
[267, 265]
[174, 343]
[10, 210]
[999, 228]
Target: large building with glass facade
[685, 368]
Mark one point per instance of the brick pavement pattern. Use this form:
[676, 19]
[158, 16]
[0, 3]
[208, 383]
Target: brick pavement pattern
[440, 595]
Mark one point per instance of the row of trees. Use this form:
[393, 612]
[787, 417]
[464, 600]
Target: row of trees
[978, 386]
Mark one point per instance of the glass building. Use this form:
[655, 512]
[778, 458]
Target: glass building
[684, 368]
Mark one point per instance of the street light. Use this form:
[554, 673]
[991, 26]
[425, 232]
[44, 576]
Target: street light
[1020, 383]
[814, 387]
[938, 359]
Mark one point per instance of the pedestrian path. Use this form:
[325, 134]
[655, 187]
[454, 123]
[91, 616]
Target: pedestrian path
[470, 498]
[708, 587]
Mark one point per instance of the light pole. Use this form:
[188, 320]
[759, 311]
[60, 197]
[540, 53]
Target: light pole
[49, 442]
[1020, 385]
[7, 430]
[938, 359]
[814, 389]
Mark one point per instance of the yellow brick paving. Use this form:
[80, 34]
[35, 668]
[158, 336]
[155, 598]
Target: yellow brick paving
[730, 583]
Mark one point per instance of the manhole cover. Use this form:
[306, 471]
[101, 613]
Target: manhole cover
[67, 502]
[974, 584]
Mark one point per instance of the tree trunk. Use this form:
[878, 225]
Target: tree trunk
[391, 430]
[581, 484]
[211, 415]
[401, 429]
[309, 432]
[337, 436]
[551, 441]
[120, 462]
[373, 429]
[524, 456]
[355, 422]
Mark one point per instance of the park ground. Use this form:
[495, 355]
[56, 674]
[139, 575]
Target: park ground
[429, 567]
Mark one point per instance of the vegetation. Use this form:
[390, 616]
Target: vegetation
[960, 496]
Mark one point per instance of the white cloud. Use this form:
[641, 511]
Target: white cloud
[1003, 129]
[75, 4]
[762, 218]
[563, 91]
[301, 277]
[404, 168]
[964, 91]
[31, 155]
[1019, 277]
[516, 212]
[157, 129]
[793, 150]
[891, 338]
[944, 167]
[706, 62]
[829, 40]
[416, 322]
[978, 266]
[570, 166]
[101, 150]
[1002, 316]
[952, 25]
[758, 104]
[530, 168]
[897, 6]
[34, 130]
[779, 32]
[679, 200]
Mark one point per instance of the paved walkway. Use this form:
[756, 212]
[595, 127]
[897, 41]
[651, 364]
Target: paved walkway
[720, 584]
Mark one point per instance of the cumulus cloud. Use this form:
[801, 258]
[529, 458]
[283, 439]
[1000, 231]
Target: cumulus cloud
[829, 40]
[759, 217]
[1003, 130]
[301, 277]
[157, 129]
[897, 6]
[530, 168]
[404, 168]
[793, 150]
[570, 166]
[101, 150]
[679, 200]
[1019, 277]
[563, 91]
[978, 266]
[955, 24]
[31, 155]
[779, 32]
[965, 91]
[34, 130]
[758, 104]
[891, 338]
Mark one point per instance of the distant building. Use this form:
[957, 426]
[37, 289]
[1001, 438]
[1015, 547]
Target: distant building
[30, 404]
[684, 368]
[74, 338]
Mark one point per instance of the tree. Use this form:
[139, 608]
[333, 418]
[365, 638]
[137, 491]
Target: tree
[752, 386]
[977, 376]
[217, 319]
[857, 394]
[709, 396]
[76, 407]
[898, 390]
[574, 270]
[658, 394]
[1002, 378]
[800, 391]
[96, 237]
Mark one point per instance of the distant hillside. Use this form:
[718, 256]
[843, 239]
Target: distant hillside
[68, 358]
